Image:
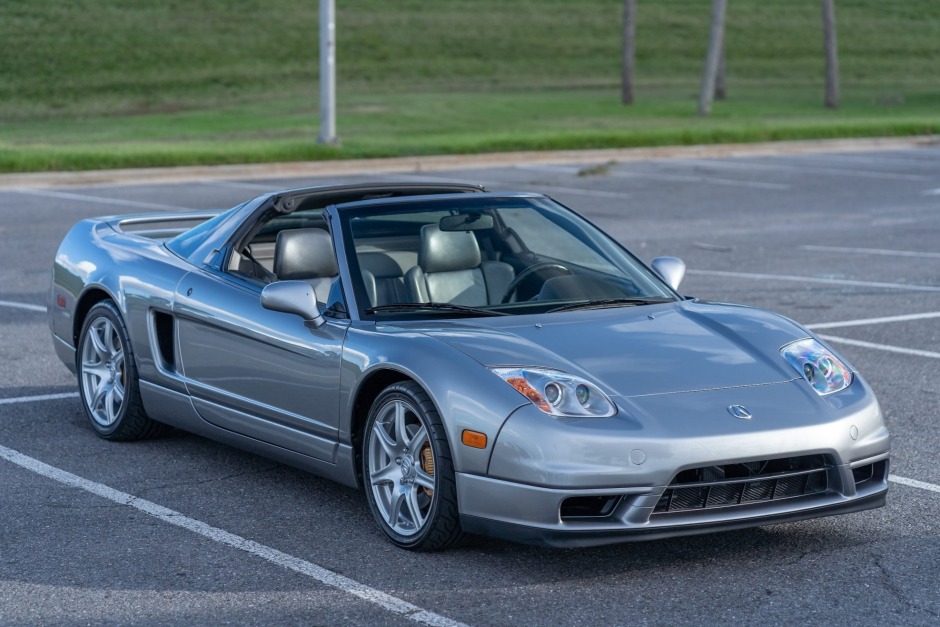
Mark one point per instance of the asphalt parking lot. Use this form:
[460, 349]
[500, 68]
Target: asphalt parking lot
[184, 530]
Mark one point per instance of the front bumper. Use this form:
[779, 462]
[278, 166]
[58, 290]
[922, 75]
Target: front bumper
[489, 516]
[632, 462]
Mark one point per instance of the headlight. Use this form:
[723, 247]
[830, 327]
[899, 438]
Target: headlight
[818, 366]
[558, 393]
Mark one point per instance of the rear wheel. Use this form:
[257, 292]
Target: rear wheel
[408, 471]
[107, 377]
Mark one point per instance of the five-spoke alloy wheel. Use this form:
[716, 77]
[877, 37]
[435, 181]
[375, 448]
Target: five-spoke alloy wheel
[103, 373]
[107, 377]
[408, 472]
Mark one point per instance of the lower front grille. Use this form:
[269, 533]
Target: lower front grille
[742, 484]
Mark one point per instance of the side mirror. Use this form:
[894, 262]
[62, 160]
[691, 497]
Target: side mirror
[671, 269]
[293, 297]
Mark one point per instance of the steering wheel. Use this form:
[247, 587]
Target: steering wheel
[525, 274]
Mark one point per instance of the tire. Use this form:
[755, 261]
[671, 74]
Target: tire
[409, 481]
[107, 377]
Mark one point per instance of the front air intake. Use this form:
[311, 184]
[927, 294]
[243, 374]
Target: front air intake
[588, 506]
[745, 483]
[870, 473]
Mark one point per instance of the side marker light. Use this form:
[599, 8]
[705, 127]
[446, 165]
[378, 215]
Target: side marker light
[473, 439]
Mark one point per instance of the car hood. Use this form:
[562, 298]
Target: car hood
[635, 351]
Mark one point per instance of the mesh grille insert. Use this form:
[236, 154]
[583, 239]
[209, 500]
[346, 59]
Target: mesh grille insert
[745, 483]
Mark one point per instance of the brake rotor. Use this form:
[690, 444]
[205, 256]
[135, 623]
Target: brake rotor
[427, 464]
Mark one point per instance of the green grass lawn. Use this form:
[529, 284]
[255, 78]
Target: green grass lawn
[118, 83]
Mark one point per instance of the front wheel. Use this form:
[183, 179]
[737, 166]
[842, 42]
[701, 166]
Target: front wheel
[107, 377]
[408, 471]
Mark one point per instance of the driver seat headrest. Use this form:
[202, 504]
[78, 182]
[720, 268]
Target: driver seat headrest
[447, 251]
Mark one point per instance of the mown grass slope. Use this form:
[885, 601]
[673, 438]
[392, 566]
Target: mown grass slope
[103, 83]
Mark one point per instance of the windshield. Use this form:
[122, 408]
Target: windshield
[476, 256]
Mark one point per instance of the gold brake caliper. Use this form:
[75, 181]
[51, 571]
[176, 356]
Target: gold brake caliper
[427, 464]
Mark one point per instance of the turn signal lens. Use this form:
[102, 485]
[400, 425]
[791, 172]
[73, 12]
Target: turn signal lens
[473, 439]
[522, 386]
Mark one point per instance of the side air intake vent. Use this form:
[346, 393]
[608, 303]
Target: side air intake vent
[164, 328]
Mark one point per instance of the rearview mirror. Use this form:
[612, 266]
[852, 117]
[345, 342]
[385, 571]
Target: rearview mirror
[293, 297]
[671, 269]
[466, 222]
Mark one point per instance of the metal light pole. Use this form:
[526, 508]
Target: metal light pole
[713, 58]
[327, 72]
[629, 49]
[832, 53]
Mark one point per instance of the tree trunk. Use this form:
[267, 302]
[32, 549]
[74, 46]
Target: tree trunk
[629, 38]
[713, 57]
[831, 46]
[720, 91]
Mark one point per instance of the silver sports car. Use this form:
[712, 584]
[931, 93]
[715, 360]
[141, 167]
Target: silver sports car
[477, 362]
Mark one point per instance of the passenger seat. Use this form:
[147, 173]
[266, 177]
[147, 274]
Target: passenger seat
[384, 279]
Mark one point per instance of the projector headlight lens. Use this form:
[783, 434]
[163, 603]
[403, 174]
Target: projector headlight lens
[818, 366]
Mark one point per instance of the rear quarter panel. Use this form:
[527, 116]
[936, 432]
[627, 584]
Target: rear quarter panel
[138, 273]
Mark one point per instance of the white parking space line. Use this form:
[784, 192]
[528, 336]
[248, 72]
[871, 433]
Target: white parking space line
[35, 399]
[710, 180]
[914, 483]
[871, 251]
[881, 347]
[788, 167]
[236, 185]
[861, 322]
[418, 178]
[24, 306]
[296, 564]
[913, 287]
[828, 160]
[662, 176]
[932, 192]
[98, 200]
[880, 160]
[599, 193]
[490, 184]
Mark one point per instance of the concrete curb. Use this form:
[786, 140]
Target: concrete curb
[433, 163]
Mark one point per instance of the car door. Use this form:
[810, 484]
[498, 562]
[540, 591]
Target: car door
[256, 372]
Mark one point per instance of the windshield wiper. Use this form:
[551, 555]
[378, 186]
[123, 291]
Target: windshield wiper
[449, 307]
[601, 303]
